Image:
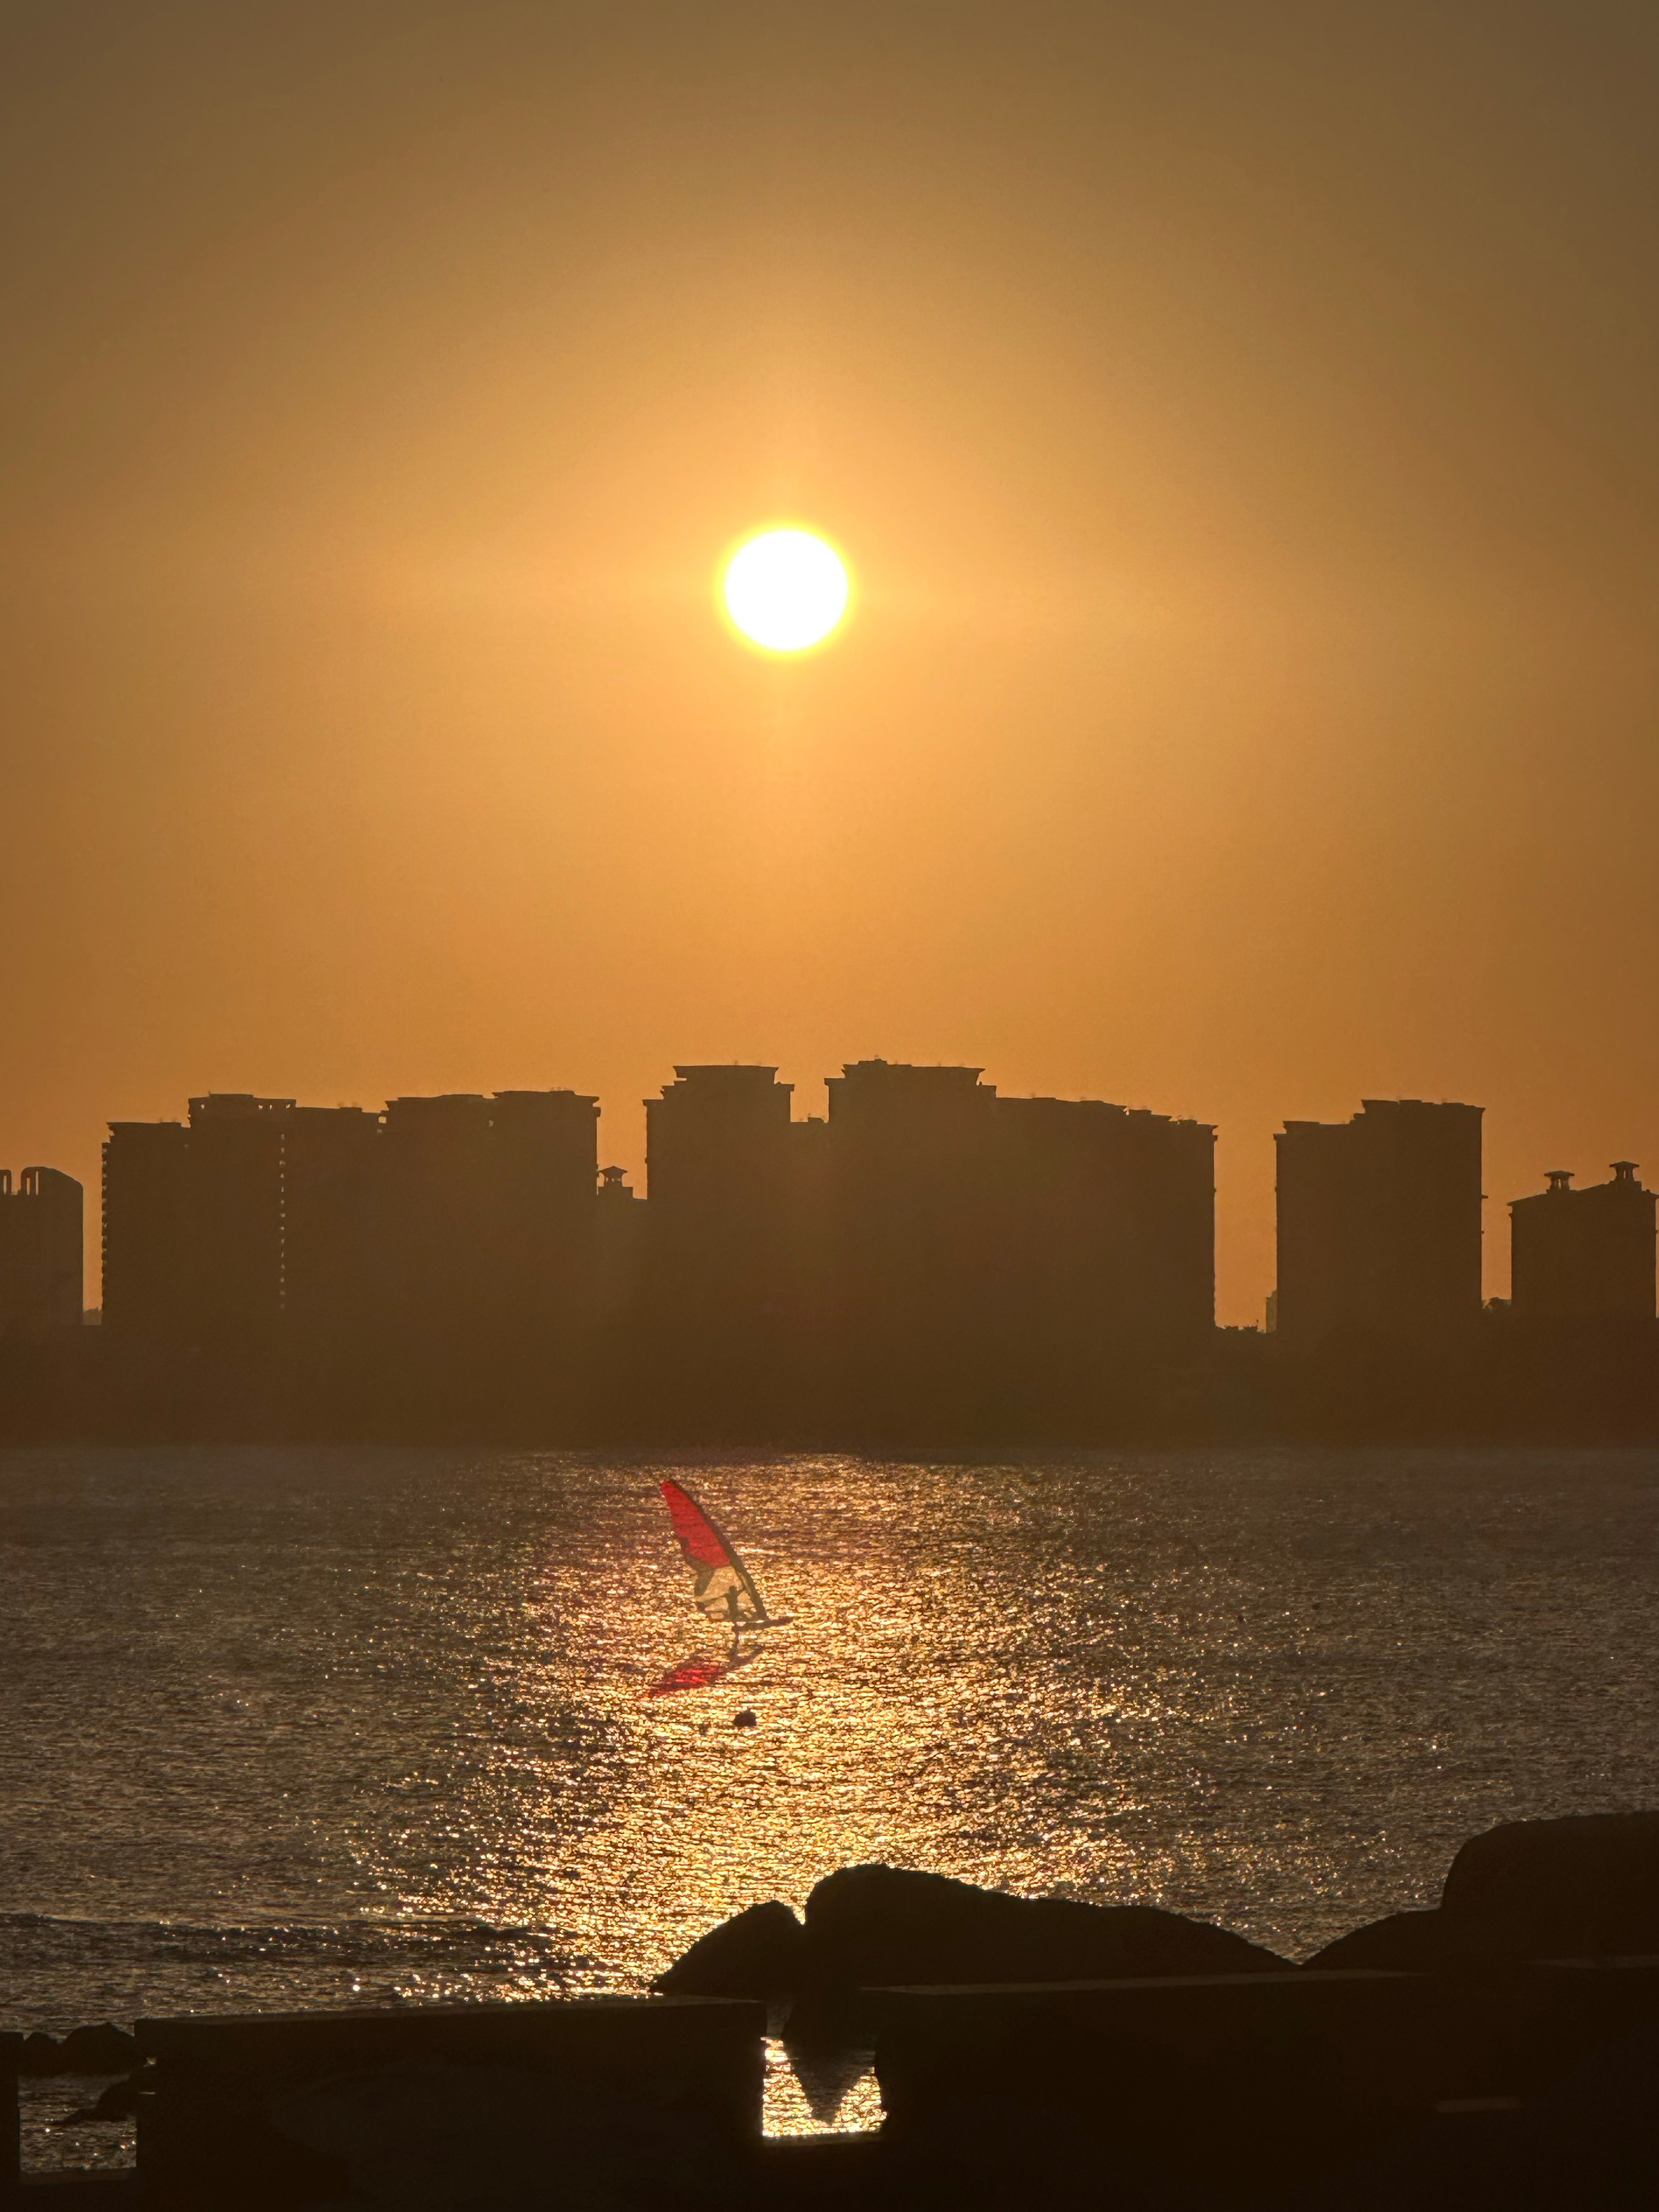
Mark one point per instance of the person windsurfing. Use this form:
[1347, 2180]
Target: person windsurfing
[722, 1588]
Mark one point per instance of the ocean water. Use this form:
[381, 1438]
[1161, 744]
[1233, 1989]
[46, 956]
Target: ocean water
[291, 1728]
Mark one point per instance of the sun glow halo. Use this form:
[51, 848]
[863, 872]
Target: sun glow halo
[786, 590]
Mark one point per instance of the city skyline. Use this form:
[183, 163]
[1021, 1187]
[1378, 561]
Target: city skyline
[1239, 426]
[1234, 1310]
[1396, 1163]
[931, 1260]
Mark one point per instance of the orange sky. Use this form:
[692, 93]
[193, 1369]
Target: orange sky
[1240, 417]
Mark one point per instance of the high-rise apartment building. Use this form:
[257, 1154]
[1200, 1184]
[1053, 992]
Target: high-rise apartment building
[446, 1221]
[329, 1155]
[434, 1202]
[149, 1285]
[719, 1289]
[913, 1246]
[41, 1262]
[1007, 1259]
[1108, 1239]
[1379, 1224]
[1585, 1255]
[235, 1171]
[545, 1169]
[927, 1256]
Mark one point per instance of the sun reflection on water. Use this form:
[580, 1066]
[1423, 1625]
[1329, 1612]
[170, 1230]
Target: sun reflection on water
[378, 1725]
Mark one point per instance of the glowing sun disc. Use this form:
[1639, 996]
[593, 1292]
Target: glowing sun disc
[786, 590]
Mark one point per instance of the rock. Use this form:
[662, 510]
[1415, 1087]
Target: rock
[1419, 1943]
[1583, 1886]
[756, 1954]
[39, 2055]
[745, 1718]
[119, 2101]
[871, 1925]
[102, 2050]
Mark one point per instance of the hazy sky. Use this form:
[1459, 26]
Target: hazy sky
[1242, 419]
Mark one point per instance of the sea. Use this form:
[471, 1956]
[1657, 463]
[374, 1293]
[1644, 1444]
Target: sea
[293, 1728]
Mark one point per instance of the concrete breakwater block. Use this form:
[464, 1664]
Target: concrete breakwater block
[11, 2146]
[1253, 2085]
[1238, 2088]
[436, 2103]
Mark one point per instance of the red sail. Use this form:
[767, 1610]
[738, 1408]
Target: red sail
[721, 1586]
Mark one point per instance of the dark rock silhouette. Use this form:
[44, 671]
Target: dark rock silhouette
[745, 1718]
[1405, 1942]
[757, 1953]
[1586, 1886]
[868, 1925]
[1581, 1886]
[1422, 1943]
[119, 2101]
[105, 2049]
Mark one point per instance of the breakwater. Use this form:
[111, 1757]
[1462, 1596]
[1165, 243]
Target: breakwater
[1019, 2050]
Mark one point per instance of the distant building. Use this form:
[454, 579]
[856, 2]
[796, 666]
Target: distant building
[41, 1262]
[329, 1284]
[1379, 1224]
[546, 1147]
[912, 1242]
[435, 1197]
[455, 1220]
[1001, 1258]
[718, 1293]
[1108, 1234]
[1585, 1255]
[620, 1217]
[234, 1172]
[150, 1294]
[927, 1257]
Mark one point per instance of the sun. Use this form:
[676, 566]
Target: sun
[785, 589]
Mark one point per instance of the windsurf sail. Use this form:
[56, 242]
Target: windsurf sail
[722, 1588]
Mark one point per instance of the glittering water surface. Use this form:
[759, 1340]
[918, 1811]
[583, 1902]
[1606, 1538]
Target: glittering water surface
[286, 1727]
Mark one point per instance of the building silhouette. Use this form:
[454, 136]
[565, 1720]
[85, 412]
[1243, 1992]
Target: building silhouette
[1109, 1246]
[717, 1340]
[1006, 1263]
[619, 1226]
[149, 1224]
[912, 1221]
[329, 1222]
[929, 1263]
[234, 1162]
[1585, 1255]
[1379, 1224]
[435, 1269]
[41, 1253]
[440, 1233]
[543, 1227]
[928, 1257]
